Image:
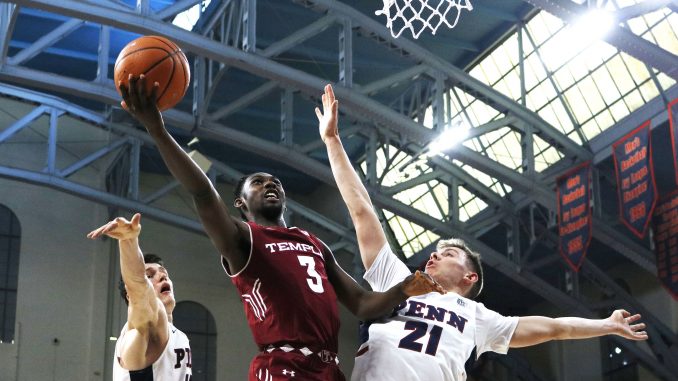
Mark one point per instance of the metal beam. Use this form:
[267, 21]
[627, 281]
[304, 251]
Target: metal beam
[490, 126]
[301, 35]
[22, 123]
[639, 9]
[423, 178]
[98, 196]
[175, 9]
[8, 16]
[43, 42]
[243, 101]
[406, 75]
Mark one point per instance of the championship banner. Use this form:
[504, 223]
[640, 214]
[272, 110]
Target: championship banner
[574, 214]
[636, 187]
[673, 123]
[665, 221]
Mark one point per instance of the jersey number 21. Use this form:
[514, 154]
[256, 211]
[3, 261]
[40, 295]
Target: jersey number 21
[419, 330]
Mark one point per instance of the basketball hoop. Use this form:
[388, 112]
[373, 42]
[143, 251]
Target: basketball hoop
[417, 15]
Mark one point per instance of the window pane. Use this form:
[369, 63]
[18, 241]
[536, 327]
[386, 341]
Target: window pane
[197, 323]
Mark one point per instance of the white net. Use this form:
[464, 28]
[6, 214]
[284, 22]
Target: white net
[418, 15]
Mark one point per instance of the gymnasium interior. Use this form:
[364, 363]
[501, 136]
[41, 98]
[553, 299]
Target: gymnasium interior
[467, 124]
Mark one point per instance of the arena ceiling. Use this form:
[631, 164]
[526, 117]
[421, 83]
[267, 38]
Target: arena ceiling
[535, 108]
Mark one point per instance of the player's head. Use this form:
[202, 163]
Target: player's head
[455, 265]
[259, 195]
[162, 284]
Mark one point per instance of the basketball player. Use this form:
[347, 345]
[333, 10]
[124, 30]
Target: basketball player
[149, 347]
[288, 279]
[430, 337]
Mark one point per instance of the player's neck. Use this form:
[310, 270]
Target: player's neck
[263, 221]
[451, 287]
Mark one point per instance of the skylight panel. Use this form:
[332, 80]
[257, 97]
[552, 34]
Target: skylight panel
[188, 18]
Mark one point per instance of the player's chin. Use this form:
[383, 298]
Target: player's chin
[167, 297]
[272, 209]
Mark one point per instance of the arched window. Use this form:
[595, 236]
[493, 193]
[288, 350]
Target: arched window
[10, 237]
[198, 324]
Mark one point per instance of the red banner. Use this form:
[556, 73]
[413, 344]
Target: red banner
[574, 214]
[665, 221]
[673, 122]
[636, 185]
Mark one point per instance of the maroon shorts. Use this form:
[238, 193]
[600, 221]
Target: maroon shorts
[293, 366]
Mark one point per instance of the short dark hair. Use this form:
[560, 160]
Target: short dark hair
[237, 192]
[148, 258]
[472, 261]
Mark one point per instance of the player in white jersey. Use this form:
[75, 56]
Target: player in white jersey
[150, 347]
[430, 337]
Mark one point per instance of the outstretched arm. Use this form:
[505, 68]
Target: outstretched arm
[147, 318]
[371, 237]
[532, 330]
[227, 234]
[366, 304]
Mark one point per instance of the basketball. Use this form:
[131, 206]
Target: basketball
[160, 60]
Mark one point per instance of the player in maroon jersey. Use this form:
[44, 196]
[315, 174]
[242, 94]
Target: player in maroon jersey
[288, 279]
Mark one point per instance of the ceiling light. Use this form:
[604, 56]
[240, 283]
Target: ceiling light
[449, 138]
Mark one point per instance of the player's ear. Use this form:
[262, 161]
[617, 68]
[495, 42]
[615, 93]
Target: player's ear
[471, 277]
[238, 202]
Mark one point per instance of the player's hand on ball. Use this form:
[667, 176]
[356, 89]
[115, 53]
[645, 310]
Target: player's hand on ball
[421, 283]
[120, 229]
[140, 103]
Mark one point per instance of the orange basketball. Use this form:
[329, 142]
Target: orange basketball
[160, 60]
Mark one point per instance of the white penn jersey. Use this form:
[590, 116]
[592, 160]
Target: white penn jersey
[427, 337]
[174, 364]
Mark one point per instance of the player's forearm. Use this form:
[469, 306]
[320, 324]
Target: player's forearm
[350, 186]
[532, 330]
[132, 266]
[182, 167]
[569, 328]
[377, 304]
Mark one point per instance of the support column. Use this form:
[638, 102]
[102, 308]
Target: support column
[346, 53]
[287, 117]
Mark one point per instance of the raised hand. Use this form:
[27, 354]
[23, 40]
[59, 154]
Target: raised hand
[120, 229]
[327, 119]
[421, 283]
[623, 325]
[137, 101]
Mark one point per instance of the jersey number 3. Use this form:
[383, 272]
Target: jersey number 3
[315, 283]
[419, 329]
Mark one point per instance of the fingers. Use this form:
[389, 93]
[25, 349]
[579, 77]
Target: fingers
[133, 92]
[318, 114]
[102, 230]
[136, 219]
[330, 92]
[633, 318]
[637, 327]
[96, 233]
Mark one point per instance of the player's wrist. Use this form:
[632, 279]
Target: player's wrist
[332, 140]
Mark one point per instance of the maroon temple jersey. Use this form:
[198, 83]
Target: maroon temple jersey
[285, 291]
